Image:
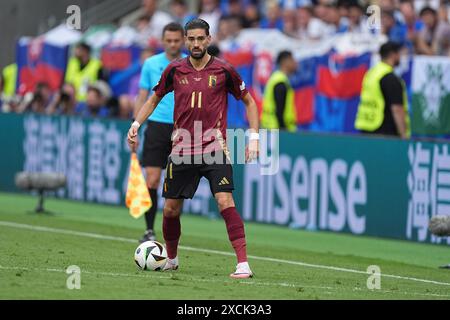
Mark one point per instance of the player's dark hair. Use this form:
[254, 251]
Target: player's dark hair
[388, 48]
[427, 10]
[197, 24]
[84, 46]
[173, 26]
[283, 55]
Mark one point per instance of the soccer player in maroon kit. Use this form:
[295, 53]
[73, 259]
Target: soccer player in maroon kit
[201, 83]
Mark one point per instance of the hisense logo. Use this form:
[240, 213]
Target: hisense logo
[315, 193]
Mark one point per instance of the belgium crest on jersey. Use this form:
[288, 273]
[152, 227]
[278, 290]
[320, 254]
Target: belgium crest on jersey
[212, 81]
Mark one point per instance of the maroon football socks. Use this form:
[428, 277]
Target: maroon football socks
[171, 233]
[236, 232]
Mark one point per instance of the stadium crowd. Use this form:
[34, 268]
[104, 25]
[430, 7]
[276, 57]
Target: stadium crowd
[421, 27]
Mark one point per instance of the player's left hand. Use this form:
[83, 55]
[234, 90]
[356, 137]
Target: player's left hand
[252, 151]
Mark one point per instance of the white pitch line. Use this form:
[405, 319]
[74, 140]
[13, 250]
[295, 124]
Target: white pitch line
[154, 275]
[251, 283]
[298, 263]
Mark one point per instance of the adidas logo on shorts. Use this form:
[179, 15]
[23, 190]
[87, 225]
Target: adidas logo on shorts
[224, 181]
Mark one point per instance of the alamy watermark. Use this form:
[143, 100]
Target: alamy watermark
[73, 21]
[74, 279]
[200, 147]
[374, 17]
[374, 279]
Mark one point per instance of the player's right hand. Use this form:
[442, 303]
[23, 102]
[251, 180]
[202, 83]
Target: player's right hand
[132, 138]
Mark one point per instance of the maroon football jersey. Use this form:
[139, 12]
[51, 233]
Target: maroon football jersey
[201, 101]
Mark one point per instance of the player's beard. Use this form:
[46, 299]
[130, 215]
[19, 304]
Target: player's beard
[198, 55]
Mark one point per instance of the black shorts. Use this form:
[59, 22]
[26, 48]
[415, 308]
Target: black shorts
[157, 144]
[181, 180]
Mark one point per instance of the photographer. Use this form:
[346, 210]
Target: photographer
[98, 95]
[64, 101]
[37, 101]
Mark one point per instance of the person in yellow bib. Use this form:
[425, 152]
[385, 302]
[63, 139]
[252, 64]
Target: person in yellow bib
[83, 70]
[383, 108]
[278, 103]
[9, 76]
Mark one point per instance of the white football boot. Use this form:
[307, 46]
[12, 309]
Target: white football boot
[171, 264]
[242, 271]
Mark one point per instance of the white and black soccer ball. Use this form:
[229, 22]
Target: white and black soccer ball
[150, 255]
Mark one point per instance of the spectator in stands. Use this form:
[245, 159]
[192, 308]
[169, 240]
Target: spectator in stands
[236, 9]
[180, 12]
[235, 26]
[412, 23]
[127, 101]
[289, 22]
[229, 29]
[141, 28]
[96, 101]
[356, 21]
[434, 38]
[386, 5]
[247, 13]
[320, 10]
[39, 100]
[333, 19]
[210, 12]
[444, 11]
[420, 4]
[273, 19]
[252, 14]
[64, 101]
[383, 108]
[394, 30]
[83, 70]
[309, 27]
[343, 7]
[150, 33]
[223, 31]
[278, 104]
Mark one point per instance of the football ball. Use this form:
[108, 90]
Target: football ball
[150, 255]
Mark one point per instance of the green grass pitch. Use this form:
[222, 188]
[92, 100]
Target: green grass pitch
[36, 249]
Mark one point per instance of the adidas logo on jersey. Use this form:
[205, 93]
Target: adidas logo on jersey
[184, 81]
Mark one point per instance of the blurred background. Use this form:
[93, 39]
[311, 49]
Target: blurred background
[334, 43]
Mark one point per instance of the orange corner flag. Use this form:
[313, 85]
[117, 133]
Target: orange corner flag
[138, 198]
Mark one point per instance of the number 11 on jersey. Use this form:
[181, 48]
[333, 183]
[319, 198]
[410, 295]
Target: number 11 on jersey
[199, 103]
